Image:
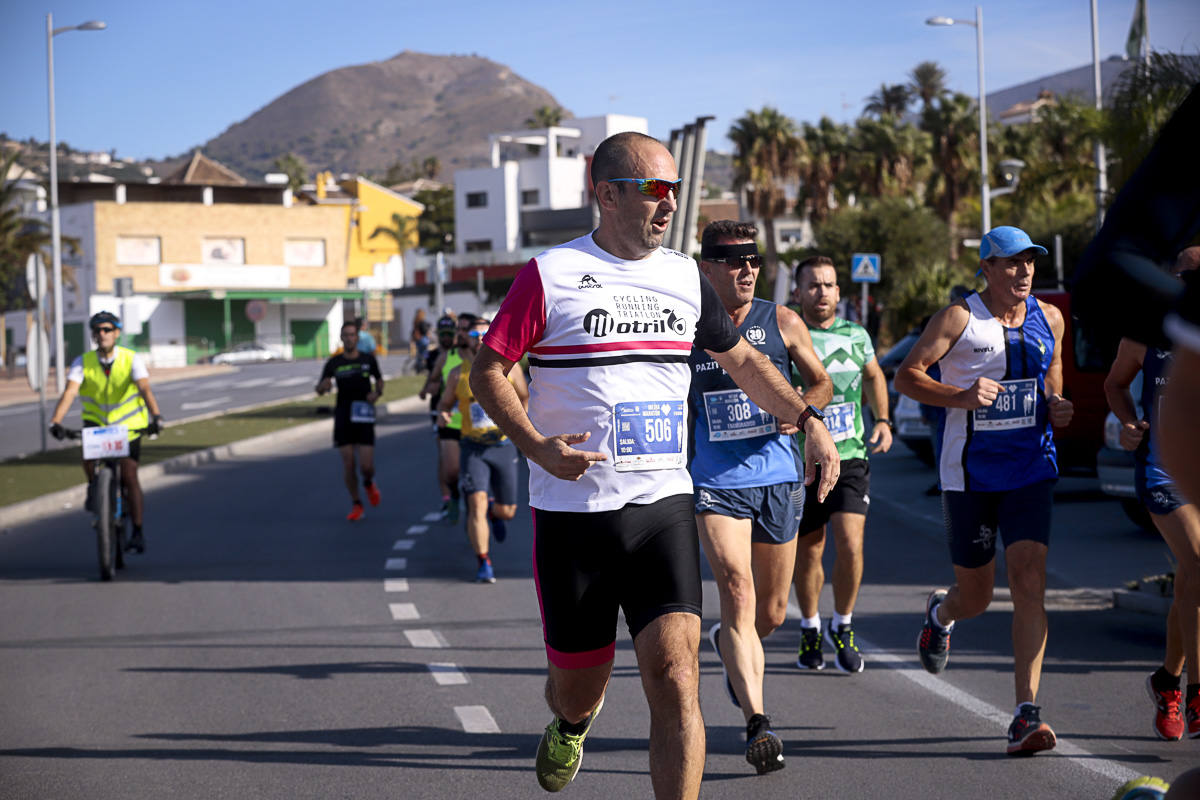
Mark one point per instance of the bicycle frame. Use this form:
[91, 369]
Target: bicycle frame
[107, 503]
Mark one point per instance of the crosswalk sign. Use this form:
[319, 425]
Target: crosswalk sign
[865, 268]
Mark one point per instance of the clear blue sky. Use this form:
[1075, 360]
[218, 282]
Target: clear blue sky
[167, 76]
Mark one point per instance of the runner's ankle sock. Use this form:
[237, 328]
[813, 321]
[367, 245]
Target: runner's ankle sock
[1163, 680]
[573, 728]
[841, 619]
[938, 622]
[811, 622]
[483, 559]
[1017, 711]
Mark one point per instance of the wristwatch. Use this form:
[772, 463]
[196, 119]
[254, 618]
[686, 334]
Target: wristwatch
[891, 425]
[809, 411]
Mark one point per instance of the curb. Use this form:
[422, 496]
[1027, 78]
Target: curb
[67, 499]
[1144, 602]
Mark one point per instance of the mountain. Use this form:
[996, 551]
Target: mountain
[366, 118]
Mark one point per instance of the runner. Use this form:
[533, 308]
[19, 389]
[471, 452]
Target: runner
[451, 339]
[113, 385]
[488, 460]
[354, 415]
[846, 351]
[748, 494]
[609, 320]
[1001, 390]
[1176, 713]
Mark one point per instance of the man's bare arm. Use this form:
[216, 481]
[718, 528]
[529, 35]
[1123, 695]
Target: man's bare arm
[939, 336]
[818, 385]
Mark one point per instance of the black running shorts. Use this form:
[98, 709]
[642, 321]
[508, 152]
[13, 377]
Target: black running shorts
[449, 434]
[642, 559]
[974, 519]
[346, 432]
[851, 494]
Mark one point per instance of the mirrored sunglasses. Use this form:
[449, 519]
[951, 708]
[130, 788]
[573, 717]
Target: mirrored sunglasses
[653, 187]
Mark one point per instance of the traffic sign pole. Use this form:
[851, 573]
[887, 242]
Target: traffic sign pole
[865, 268]
[34, 354]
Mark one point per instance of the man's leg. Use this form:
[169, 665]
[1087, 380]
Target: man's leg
[572, 694]
[132, 489]
[809, 573]
[477, 524]
[1181, 530]
[669, 665]
[726, 543]
[848, 562]
[970, 595]
[772, 564]
[448, 475]
[348, 472]
[1026, 562]
[366, 462]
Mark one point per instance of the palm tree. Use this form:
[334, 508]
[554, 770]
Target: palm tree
[826, 153]
[403, 232]
[21, 237]
[294, 167]
[886, 158]
[893, 100]
[927, 82]
[954, 129]
[545, 117]
[767, 153]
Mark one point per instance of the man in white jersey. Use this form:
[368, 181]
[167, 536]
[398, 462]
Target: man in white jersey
[1001, 390]
[608, 321]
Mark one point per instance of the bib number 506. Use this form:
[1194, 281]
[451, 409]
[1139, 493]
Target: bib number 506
[658, 430]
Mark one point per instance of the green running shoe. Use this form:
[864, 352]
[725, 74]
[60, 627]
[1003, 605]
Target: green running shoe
[560, 754]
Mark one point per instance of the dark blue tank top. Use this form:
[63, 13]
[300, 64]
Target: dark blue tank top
[1154, 387]
[735, 444]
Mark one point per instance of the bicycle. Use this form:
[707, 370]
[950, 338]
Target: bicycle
[105, 498]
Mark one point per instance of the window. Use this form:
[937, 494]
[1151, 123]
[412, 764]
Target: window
[223, 251]
[139, 250]
[476, 199]
[479, 246]
[304, 252]
[529, 197]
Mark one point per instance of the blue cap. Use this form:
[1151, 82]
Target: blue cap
[1007, 241]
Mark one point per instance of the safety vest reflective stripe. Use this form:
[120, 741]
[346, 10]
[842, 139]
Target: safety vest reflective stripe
[112, 398]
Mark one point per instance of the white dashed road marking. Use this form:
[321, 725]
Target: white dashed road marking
[216, 401]
[446, 674]
[253, 383]
[404, 544]
[476, 719]
[395, 585]
[423, 637]
[396, 564]
[416, 529]
[403, 611]
[296, 381]
[433, 516]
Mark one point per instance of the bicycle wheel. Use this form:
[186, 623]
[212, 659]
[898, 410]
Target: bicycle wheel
[106, 534]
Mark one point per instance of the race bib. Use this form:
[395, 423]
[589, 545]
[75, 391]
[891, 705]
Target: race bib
[733, 415]
[362, 411]
[649, 435]
[480, 419]
[839, 419]
[110, 442]
[1015, 407]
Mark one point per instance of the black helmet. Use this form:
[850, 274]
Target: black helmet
[104, 317]
[447, 323]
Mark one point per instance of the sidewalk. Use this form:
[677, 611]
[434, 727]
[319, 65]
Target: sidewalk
[14, 386]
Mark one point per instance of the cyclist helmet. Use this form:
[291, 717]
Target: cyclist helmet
[446, 323]
[104, 317]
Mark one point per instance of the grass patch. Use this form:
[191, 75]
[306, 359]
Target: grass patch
[42, 473]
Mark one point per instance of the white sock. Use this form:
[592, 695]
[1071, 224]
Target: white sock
[811, 622]
[841, 619]
[936, 621]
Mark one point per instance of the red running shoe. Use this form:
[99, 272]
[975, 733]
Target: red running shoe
[372, 493]
[1193, 718]
[1168, 717]
[355, 513]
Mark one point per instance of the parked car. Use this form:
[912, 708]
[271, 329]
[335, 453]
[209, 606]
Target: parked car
[247, 353]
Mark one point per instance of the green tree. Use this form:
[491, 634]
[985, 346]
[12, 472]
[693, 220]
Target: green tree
[827, 152]
[954, 128]
[435, 226]
[20, 237]
[927, 83]
[893, 100]
[294, 167]
[431, 166]
[767, 153]
[886, 158]
[545, 117]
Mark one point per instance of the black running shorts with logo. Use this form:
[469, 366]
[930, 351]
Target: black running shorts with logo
[490, 468]
[973, 520]
[1160, 499]
[774, 511]
[851, 494]
[346, 432]
[446, 434]
[641, 558]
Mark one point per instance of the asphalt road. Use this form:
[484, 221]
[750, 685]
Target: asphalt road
[245, 385]
[264, 647]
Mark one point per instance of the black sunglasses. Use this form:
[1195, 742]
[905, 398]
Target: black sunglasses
[103, 329]
[754, 262]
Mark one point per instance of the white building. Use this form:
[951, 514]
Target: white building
[536, 193]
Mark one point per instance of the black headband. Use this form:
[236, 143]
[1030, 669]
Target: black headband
[713, 251]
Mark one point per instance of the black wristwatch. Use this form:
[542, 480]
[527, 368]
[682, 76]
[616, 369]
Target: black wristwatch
[891, 425]
[810, 411]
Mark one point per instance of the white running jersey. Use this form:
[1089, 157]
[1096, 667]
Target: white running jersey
[608, 343]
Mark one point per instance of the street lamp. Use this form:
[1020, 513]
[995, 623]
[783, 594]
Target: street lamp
[60, 372]
[983, 162]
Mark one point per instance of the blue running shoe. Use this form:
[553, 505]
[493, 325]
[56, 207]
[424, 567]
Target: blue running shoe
[485, 574]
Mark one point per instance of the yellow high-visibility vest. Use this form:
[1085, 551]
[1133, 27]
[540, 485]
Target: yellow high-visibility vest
[113, 398]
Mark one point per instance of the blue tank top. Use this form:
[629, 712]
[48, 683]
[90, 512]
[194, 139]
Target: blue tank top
[1010, 444]
[1154, 388]
[734, 443]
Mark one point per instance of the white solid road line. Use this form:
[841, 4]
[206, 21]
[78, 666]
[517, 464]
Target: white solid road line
[424, 637]
[903, 665]
[404, 544]
[446, 674]
[396, 564]
[476, 719]
[253, 383]
[395, 585]
[296, 381]
[403, 611]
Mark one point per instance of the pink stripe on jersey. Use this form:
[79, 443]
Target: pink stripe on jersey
[682, 347]
[521, 321]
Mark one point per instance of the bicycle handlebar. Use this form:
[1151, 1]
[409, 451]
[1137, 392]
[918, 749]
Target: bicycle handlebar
[77, 433]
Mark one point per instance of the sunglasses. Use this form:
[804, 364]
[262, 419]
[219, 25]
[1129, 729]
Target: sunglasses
[653, 187]
[476, 334]
[104, 329]
[736, 262]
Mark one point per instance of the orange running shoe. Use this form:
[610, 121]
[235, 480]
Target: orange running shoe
[372, 493]
[355, 513]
